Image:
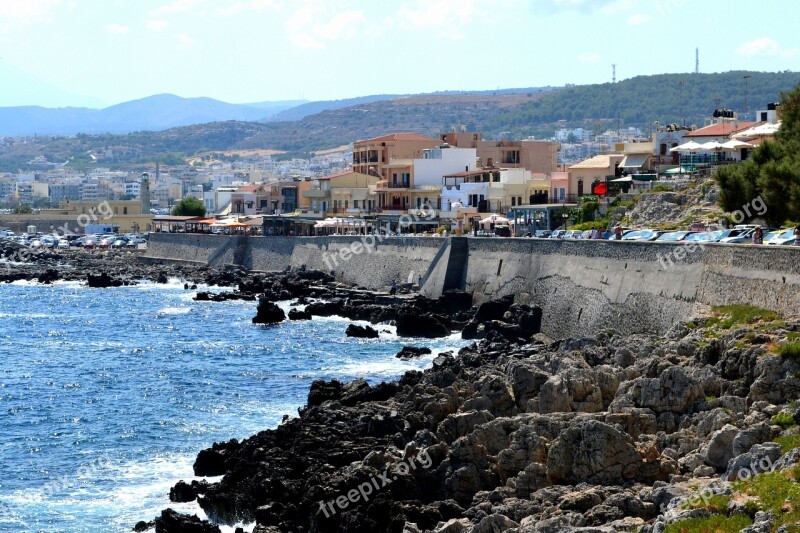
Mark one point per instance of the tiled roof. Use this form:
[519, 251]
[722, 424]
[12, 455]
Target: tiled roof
[722, 129]
[402, 137]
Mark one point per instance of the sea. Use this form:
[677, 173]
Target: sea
[107, 395]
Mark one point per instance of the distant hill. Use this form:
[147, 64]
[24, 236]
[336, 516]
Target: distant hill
[634, 102]
[153, 113]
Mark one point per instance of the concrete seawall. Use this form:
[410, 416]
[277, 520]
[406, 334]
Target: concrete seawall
[582, 286]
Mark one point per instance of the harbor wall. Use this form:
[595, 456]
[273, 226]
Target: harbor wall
[582, 286]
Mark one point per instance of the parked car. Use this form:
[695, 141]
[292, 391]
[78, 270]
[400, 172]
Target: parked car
[700, 236]
[642, 235]
[675, 235]
[571, 234]
[89, 243]
[120, 242]
[780, 237]
[542, 233]
[35, 243]
[557, 234]
[63, 243]
[718, 235]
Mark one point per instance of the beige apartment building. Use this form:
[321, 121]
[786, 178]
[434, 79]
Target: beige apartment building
[346, 193]
[595, 169]
[373, 156]
[540, 157]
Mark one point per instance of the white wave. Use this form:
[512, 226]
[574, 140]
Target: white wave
[174, 311]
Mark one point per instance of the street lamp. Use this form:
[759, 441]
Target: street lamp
[565, 216]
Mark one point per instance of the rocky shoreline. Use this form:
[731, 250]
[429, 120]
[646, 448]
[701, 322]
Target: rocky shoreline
[517, 432]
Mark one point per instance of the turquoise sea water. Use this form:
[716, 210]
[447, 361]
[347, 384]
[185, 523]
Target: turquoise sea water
[107, 395]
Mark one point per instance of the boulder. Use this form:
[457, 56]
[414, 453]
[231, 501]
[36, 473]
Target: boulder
[412, 324]
[720, 447]
[296, 314]
[592, 452]
[412, 352]
[268, 313]
[173, 522]
[361, 332]
[102, 281]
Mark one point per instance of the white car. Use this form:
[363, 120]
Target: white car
[783, 237]
[63, 243]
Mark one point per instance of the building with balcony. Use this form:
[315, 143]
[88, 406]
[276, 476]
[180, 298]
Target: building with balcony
[346, 193]
[489, 190]
[417, 183]
[540, 157]
[373, 155]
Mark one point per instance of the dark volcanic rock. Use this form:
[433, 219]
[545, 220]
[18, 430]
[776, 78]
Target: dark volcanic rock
[411, 352]
[174, 522]
[48, 276]
[413, 324]
[184, 492]
[322, 391]
[362, 332]
[297, 314]
[268, 313]
[141, 526]
[102, 281]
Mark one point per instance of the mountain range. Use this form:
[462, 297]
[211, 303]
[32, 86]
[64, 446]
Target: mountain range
[301, 127]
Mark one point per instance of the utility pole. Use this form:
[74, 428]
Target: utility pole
[697, 60]
[746, 108]
[683, 111]
[613, 73]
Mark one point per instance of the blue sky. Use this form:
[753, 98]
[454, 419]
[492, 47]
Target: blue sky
[102, 52]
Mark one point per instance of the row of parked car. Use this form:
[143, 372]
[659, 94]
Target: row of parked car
[738, 235]
[42, 240]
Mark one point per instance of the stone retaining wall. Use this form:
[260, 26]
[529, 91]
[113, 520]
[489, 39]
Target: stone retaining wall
[582, 286]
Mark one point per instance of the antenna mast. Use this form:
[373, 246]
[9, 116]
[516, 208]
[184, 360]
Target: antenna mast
[613, 73]
[697, 60]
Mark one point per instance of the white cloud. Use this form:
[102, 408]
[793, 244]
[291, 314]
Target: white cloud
[312, 26]
[157, 24]
[185, 41]
[250, 5]
[589, 57]
[450, 17]
[638, 18]
[23, 11]
[766, 46]
[177, 6]
[117, 29]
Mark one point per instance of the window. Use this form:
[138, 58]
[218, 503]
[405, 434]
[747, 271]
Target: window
[513, 201]
[124, 210]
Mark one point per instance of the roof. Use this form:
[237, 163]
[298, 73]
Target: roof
[598, 161]
[401, 137]
[721, 129]
[466, 173]
[345, 173]
[248, 188]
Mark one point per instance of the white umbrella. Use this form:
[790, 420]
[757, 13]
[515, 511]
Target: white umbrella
[690, 146]
[710, 146]
[734, 145]
[761, 130]
[497, 219]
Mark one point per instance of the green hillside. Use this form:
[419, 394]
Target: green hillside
[637, 101]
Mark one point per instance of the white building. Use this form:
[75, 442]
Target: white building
[438, 162]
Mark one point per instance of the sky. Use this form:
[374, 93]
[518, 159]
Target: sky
[97, 53]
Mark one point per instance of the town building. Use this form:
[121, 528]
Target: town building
[346, 193]
[373, 155]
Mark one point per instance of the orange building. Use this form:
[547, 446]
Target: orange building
[540, 157]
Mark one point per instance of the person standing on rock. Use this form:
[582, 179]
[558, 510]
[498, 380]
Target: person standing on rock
[393, 290]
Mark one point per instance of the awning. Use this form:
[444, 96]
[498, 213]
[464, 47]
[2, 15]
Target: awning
[644, 177]
[634, 160]
[626, 178]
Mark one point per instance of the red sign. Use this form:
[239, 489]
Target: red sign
[600, 189]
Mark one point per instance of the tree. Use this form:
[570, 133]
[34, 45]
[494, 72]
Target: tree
[23, 209]
[189, 207]
[772, 173]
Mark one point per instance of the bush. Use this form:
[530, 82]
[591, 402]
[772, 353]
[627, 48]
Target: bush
[790, 350]
[788, 442]
[740, 314]
[783, 419]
